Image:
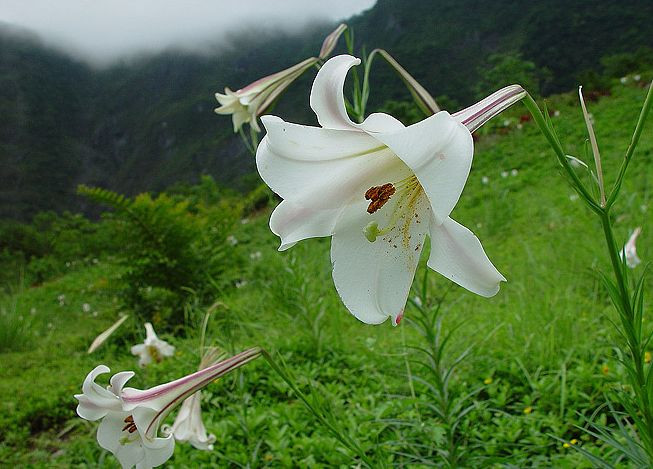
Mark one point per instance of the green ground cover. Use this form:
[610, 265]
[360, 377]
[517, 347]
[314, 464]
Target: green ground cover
[540, 360]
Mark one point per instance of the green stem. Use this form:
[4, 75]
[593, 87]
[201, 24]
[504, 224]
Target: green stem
[632, 333]
[538, 117]
[648, 102]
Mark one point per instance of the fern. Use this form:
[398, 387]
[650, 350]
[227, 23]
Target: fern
[104, 196]
[171, 248]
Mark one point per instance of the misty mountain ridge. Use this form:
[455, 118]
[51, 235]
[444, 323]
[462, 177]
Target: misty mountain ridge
[145, 124]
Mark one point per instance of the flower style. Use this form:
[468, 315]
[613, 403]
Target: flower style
[630, 251]
[188, 425]
[378, 188]
[131, 417]
[153, 349]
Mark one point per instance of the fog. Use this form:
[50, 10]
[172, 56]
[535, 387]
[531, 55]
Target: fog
[103, 31]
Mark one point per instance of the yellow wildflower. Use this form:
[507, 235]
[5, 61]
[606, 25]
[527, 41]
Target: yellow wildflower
[487, 380]
[605, 370]
[528, 410]
[647, 357]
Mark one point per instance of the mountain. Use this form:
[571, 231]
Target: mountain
[148, 123]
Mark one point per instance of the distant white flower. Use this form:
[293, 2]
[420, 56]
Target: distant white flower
[32, 311]
[556, 113]
[630, 251]
[520, 126]
[485, 180]
[506, 122]
[244, 221]
[86, 308]
[231, 239]
[241, 283]
[504, 174]
[62, 300]
[95, 260]
[623, 80]
[573, 197]
[256, 255]
[130, 418]
[246, 104]
[637, 77]
[153, 349]
[514, 172]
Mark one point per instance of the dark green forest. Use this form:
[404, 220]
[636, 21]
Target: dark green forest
[146, 124]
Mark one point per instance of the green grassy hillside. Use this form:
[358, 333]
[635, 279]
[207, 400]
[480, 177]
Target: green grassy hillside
[540, 357]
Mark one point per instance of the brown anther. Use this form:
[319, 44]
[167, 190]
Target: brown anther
[379, 195]
[131, 426]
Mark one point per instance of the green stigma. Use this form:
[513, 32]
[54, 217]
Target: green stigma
[371, 231]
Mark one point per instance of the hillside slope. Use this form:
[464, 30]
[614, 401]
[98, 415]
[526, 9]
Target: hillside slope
[144, 125]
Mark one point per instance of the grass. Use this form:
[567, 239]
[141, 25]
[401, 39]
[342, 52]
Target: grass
[540, 362]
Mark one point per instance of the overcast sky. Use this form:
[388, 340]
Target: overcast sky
[101, 31]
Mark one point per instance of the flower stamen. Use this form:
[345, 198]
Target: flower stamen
[131, 426]
[379, 195]
[408, 191]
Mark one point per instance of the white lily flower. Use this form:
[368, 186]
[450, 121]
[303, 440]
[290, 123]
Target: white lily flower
[630, 250]
[246, 104]
[378, 188]
[131, 417]
[153, 349]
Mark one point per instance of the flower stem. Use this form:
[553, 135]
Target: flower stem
[552, 138]
[638, 407]
[648, 102]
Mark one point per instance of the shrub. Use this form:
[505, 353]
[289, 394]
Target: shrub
[172, 248]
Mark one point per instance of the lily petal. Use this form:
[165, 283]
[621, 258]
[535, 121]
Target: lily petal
[439, 150]
[320, 168]
[478, 114]
[158, 452]
[109, 435]
[327, 95]
[118, 381]
[292, 223]
[96, 401]
[374, 278]
[458, 255]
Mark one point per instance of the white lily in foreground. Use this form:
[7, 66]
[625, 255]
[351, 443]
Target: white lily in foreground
[188, 426]
[630, 250]
[378, 188]
[131, 417]
[153, 349]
